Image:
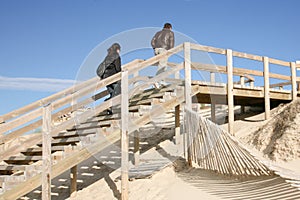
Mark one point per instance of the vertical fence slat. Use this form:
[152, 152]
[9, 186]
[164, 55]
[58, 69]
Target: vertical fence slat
[46, 174]
[124, 137]
[230, 99]
[266, 87]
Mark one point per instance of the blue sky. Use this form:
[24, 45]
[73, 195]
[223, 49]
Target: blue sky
[47, 41]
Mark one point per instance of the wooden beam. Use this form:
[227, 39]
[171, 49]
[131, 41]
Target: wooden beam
[60, 94]
[247, 56]
[294, 81]
[236, 71]
[230, 91]
[73, 177]
[242, 80]
[136, 149]
[124, 137]
[213, 102]
[279, 62]
[188, 96]
[177, 124]
[46, 174]
[188, 75]
[85, 153]
[207, 49]
[213, 111]
[153, 60]
[266, 88]
[20, 121]
[280, 84]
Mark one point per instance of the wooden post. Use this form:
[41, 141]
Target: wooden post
[294, 81]
[213, 110]
[213, 104]
[251, 84]
[136, 150]
[177, 125]
[73, 176]
[46, 174]
[230, 98]
[124, 137]
[212, 77]
[266, 87]
[188, 75]
[188, 93]
[242, 80]
[73, 170]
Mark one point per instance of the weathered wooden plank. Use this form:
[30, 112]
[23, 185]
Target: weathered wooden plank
[20, 121]
[208, 49]
[60, 94]
[266, 87]
[47, 100]
[85, 153]
[236, 71]
[230, 102]
[136, 148]
[188, 74]
[187, 91]
[177, 124]
[280, 84]
[139, 66]
[294, 81]
[73, 181]
[247, 56]
[46, 174]
[124, 137]
[279, 62]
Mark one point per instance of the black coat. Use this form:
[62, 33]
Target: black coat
[113, 65]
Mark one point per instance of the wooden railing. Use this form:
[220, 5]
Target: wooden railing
[29, 117]
[42, 113]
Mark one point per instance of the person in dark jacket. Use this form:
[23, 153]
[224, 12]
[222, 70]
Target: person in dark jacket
[161, 42]
[112, 66]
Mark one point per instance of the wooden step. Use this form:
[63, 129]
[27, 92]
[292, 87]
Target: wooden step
[10, 169]
[23, 160]
[95, 125]
[152, 101]
[150, 96]
[38, 150]
[75, 133]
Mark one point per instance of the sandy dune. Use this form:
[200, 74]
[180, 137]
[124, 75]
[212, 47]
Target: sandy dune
[99, 177]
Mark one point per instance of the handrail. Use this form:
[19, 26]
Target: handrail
[54, 97]
[85, 88]
[32, 113]
[66, 96]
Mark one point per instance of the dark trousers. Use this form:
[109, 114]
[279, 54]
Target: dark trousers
[114, 89]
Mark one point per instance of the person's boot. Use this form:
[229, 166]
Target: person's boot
[109, 111]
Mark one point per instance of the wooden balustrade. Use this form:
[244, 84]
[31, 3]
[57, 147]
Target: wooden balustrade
[37, 114]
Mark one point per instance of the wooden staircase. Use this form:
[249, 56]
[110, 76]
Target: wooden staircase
[77, 131]
[18, 170]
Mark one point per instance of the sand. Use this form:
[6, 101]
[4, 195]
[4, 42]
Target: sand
[276, 139]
